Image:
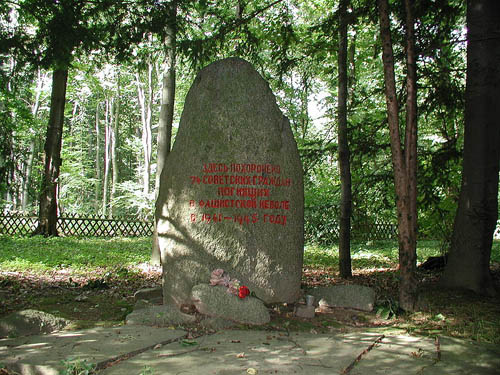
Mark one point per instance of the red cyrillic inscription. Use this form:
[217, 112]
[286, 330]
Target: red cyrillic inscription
[260, 179]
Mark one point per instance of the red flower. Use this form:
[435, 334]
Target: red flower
[243, 291]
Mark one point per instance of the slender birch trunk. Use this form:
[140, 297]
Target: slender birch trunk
[107, 156]
[28, 169]
[97, 157]
[114, 133]
[145, 96]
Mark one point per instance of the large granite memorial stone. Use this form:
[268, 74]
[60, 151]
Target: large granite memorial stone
[231, 192]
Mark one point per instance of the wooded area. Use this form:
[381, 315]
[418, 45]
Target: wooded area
[91, 94]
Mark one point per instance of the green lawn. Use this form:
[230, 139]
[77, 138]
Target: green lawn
[377, 254]
[86, 254]
[79, 254]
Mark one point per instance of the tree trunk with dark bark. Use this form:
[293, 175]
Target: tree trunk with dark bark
[166, 113]
[343, 150]
[469, 259]
[404, 160]
[47, 216]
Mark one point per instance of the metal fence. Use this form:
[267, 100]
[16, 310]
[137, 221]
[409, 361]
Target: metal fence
[325, 230]
[69, 225]
[321, 226]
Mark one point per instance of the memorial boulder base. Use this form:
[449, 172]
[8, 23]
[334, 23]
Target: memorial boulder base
[231, 193]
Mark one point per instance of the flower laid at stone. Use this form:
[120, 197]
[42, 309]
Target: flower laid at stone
[243, 291]
[219, 277]
[233, 287]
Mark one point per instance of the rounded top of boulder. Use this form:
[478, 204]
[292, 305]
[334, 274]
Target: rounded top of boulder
[225, 107]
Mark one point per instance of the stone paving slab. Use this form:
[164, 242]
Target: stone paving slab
[465, 357]
[249, 352]
[42, 355]
[426, 356]
[236, 352]
[398, 355]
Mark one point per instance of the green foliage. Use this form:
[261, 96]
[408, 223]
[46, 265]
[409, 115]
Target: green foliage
[292, 44]
[147, 370]
[388, 309]
[77, 366]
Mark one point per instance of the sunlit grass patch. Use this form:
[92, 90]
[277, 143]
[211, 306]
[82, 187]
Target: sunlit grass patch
[321, 256]
[369, 254]
[45, 254]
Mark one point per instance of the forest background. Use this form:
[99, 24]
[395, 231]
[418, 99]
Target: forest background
[113, 99]
[118, 72]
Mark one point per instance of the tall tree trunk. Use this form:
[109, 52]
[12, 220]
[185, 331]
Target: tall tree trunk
[469, 259]
[304, 102]
[145, 96]
[351, 76]
[411, 138]
[166, 112]
[97, 157]
[343, 150]
[29, 162]
[115, 120]
[27, 175]
[404, 161]
[47, 216]
[107, 156]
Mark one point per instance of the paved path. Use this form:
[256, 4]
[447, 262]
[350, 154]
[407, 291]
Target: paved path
[134, 350]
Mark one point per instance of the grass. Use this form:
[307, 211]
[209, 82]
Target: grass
[51, 274]
[85, 255]
[376, 254]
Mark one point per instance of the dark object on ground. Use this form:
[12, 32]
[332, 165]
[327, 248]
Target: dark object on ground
[434, 263]
[96, 284]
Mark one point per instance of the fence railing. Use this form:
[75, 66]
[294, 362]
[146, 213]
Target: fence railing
[97, 226]
[90, 226]
[319, 228]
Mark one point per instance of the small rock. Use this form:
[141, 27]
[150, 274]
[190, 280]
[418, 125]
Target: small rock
[30, 322]
[347, 296]
[216, 302]
[149, 294]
